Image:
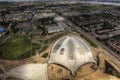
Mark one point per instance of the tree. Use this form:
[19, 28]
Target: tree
[45, 55]
[3, 15]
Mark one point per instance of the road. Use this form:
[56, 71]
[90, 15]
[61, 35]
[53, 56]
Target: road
[107, 52]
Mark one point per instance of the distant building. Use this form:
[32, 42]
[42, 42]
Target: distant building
[29, 29]
[60, 26]
[58, 19]
[2, 30]
[56, 28]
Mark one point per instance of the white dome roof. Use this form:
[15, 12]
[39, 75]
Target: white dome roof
[71, 52]
[59, 18]
[29, 72]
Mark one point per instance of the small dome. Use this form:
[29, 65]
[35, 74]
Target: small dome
[58, 19]
[71, 52]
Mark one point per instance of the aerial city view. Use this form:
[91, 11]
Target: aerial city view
[59, 39]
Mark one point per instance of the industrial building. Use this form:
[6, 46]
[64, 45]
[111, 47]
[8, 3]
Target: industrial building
[60, 26]
[2, 30]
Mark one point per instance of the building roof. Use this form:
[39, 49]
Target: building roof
[59, 18]
[71, 52]
[2, 29]
[29, 72]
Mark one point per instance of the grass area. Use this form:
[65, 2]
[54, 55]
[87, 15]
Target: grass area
[40, 41]
[45, 55]
[13, 78]
[17, 47]
[56, 37]
[52, 39]
[111, 70]
[1, 71]
[88, 40]
[30, 52]
[43, 48]
[46, 41]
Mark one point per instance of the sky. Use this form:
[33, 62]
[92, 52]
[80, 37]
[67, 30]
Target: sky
[39, 0]
[29, 0]
[14, 0]
[59, 0]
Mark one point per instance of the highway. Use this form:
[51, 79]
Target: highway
[107, 52]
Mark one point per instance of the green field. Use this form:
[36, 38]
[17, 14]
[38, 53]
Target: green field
[17, 47]
[89, 41]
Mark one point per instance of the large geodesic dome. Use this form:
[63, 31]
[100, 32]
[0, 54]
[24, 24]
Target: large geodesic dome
[71, 52]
